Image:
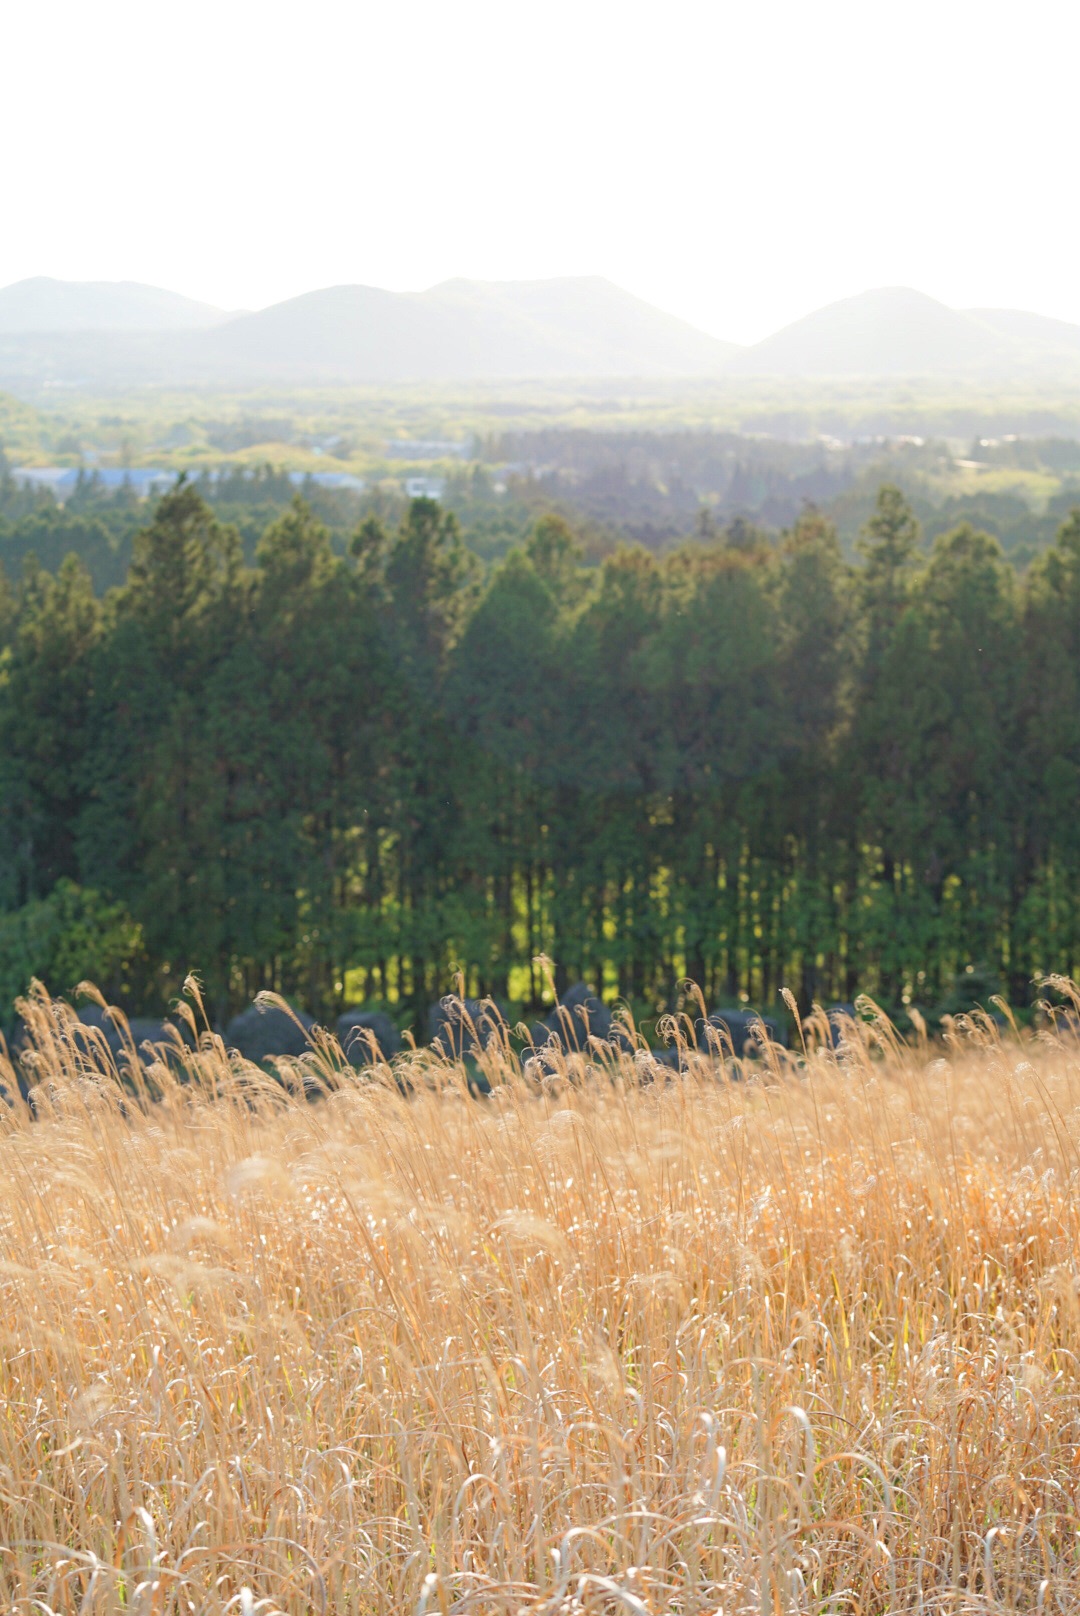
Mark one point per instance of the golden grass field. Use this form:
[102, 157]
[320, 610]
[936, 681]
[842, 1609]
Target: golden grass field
[801, 1343]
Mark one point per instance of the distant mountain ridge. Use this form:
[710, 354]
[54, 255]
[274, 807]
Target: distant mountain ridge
[43, 305]
[584, 327]
[1036, 332]
[890, 331]
[896, 331]
[470, 330]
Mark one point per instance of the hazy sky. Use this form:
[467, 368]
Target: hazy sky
[737, 164]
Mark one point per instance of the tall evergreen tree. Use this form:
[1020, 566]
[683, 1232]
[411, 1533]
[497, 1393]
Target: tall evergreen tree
[816, 623]
[1045, 809]
[149, 828]
[743, 762]
[45, 693]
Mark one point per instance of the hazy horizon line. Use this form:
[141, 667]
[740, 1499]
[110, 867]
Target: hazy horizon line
[231, 310]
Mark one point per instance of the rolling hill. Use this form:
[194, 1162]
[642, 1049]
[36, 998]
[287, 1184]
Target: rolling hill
[893, 331]
[1037, 333]
[87, 334]
[466, 330]
[43, 305]
[600, 323]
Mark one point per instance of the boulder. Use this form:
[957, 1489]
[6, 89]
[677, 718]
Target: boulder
[261, 1033]
[652, 1066]
[358, 1030]
[17, 1039]
[838, 1015]
[579, 1016]
[15, 1043]
[100, 1021]
[459, 1027]
[141, 1030]
[738, 1026]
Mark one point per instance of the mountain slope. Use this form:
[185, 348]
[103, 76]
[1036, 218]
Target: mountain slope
[467, 330]
[583, 327]
[42, 304]
[1038, 333]
[892, 331]
[591, 318]
[339, 329]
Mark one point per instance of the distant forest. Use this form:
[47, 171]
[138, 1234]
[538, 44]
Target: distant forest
[342, 769]
[639, 485]
[656, 487]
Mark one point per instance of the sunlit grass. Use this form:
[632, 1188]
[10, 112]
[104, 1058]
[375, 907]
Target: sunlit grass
[800, 1343]
[967, 477]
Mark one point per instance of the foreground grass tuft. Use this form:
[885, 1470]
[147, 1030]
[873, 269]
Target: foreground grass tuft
[361, 1343]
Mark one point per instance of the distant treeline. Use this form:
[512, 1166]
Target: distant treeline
[98, 525]
[650, 488]
[654, 486]
[752, 764]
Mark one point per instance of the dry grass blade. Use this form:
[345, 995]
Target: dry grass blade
[360, 1342]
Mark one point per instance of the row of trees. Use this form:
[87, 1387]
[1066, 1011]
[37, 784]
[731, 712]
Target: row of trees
[749, 764]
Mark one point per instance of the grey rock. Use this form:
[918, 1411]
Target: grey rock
[18, 1038]
[356, 1029]
[259, 1034]
[141, 1030]
[651, 1067]
[838, 1015]
[460, 1027]
[738, 1026]
[579, 1016]
[100, 1021]
[17, 1041]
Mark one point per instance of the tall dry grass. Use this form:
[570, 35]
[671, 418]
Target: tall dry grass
[801, 1343]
